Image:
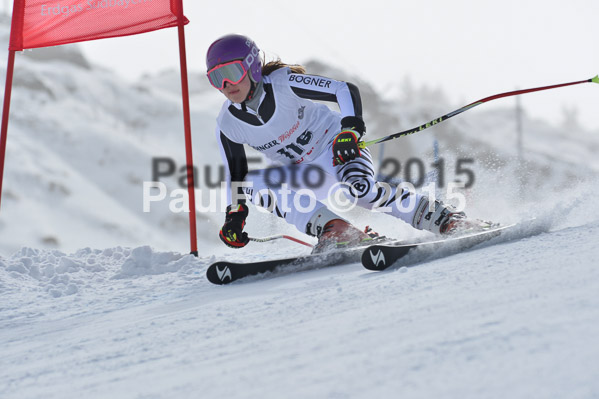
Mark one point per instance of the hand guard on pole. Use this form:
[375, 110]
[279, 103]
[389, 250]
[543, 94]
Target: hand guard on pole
[232, 233]
[345, 144]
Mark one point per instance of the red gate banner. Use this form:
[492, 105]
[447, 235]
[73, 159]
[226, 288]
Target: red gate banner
[41, 23]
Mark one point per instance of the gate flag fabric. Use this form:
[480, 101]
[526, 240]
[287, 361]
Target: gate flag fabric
[41, 23]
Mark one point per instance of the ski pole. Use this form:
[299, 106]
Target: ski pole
[436, 121]
[271, 238]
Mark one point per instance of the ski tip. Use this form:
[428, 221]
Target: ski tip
[595, 79]
[219, 274]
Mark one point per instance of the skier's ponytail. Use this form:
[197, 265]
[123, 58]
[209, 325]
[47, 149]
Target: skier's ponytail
[270, 67]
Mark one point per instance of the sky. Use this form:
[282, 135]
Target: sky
[469, 49]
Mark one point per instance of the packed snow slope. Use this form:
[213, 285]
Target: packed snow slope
[513, 320]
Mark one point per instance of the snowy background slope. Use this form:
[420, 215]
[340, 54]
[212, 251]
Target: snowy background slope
[81, 142]
[100, 299]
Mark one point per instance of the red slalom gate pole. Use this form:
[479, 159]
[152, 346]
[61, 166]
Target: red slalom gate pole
[5, 113]
[193, 237]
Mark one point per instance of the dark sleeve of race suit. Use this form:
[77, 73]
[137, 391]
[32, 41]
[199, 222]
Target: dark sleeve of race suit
[346, 95]
[235, 163]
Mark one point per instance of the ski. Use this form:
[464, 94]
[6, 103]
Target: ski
[224, 272]
[373, 257]
[381, 256]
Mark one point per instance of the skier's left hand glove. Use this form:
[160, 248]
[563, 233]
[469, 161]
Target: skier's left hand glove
[232, 232]
[345, 144]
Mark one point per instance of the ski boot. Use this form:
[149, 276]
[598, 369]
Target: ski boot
[335, 233]
[457, 223]
[443, 219]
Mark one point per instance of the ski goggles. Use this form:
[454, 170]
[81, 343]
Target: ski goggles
[232, 72]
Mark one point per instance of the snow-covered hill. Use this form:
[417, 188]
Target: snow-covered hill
[81, 143]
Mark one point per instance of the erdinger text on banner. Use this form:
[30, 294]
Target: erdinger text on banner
[42, 23]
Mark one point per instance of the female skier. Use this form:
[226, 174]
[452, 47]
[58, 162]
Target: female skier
[270, 108]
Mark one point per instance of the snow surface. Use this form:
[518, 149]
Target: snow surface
[98, 299]
[516, 320]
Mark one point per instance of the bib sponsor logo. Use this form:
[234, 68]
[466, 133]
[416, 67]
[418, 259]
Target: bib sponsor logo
[310, 81]
[266, 146]
[289, 132]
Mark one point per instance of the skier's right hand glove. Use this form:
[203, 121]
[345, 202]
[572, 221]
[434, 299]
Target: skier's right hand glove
[345, 144]
[232, 231]
[345, 147]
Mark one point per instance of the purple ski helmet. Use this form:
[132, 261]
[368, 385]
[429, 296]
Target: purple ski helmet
[236, 47]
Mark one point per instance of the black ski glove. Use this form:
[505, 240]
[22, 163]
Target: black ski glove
[345, 144]
[232, 231]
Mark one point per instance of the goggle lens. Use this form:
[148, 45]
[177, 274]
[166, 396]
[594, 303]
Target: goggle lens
[232, 72]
